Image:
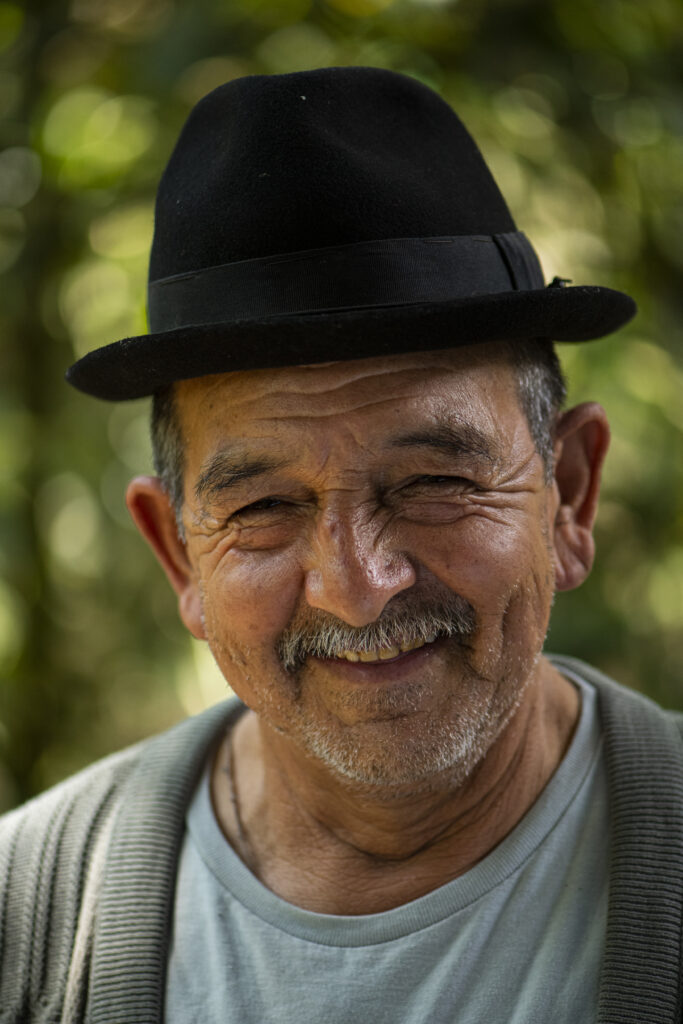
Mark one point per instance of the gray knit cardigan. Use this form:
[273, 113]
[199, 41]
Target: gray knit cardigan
[87, 874]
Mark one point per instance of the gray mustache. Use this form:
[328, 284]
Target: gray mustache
[323, 636]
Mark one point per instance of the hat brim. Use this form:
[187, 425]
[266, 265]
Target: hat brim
[139, 366]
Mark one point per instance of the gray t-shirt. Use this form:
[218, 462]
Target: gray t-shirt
[518, 939]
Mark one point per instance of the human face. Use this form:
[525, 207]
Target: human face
[351, 495]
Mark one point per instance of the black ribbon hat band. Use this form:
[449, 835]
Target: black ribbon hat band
[363, 275]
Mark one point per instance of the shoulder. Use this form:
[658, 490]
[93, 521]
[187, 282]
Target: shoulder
[69, 806]
[46, 848]
[613, 693]
[631, 722]
[93, 788]
[56, 851]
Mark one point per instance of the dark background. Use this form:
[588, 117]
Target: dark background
[578, 108]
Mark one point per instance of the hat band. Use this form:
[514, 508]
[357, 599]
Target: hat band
[362, 275]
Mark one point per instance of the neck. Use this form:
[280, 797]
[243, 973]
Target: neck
[332, 846]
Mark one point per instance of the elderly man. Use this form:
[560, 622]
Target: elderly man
[367, 497]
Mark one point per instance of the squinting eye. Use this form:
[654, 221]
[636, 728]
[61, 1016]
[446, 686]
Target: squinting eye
[453, 481]
[259, 506]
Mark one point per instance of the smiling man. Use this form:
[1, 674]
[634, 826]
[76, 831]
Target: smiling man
[367, 496]
[368, 548]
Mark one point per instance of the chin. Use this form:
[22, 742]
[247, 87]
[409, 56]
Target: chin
[417, 751]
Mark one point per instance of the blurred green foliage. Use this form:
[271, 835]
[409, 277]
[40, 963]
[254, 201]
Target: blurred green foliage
[578, 108]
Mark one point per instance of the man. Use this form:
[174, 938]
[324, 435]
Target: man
[367, 497]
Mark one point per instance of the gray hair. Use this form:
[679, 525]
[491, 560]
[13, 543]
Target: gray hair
[541, 390]
[168, 449]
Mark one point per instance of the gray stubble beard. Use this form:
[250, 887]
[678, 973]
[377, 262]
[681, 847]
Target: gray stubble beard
[451, 748]
[449, 752]
[446, 755]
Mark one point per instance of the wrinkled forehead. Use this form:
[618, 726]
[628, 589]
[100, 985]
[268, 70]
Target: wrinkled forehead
[476, 380]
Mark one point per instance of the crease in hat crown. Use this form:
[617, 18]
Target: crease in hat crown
[332, 214]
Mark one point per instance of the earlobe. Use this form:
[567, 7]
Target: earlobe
[154, 516]
[582, 440]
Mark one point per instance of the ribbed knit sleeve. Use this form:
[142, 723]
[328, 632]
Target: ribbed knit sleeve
[640, 980]
[46, 848]
[136, 900]
[87, 877]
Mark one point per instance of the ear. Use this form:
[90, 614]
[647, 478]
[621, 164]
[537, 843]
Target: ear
[154, 516]
[582, 440]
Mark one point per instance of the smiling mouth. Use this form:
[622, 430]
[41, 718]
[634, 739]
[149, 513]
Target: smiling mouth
[385, 653]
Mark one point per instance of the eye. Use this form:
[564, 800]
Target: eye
[262, 505]
[434, 498]
[440, 482]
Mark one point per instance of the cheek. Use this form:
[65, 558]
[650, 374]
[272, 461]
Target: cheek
[484, 555]
[248, 601]
[251, 596]
[505, 570]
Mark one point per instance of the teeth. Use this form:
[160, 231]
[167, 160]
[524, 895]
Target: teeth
[385, 653]
[388, 652]
[414, 646]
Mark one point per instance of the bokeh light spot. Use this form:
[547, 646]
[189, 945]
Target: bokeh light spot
[71, 57]
[524, 113]
[19, 176]
[128, 431]
[68, 518]
[136, 18]
[205, 75]
[96, 136]
[297, 48]
[124, 233]
[95, 304]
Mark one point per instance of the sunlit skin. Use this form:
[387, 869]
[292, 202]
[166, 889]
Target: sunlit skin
[322, 489]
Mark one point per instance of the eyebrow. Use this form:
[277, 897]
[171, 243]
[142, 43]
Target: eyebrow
[227, 468]
[464, 440]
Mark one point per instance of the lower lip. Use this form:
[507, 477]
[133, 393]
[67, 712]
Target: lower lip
[382, 671]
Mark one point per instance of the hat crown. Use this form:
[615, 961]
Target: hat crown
[282, 163]
[341, 213]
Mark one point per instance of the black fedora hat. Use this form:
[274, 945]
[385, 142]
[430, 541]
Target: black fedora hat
[329, 215]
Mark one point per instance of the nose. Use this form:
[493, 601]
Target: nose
[353, 576]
